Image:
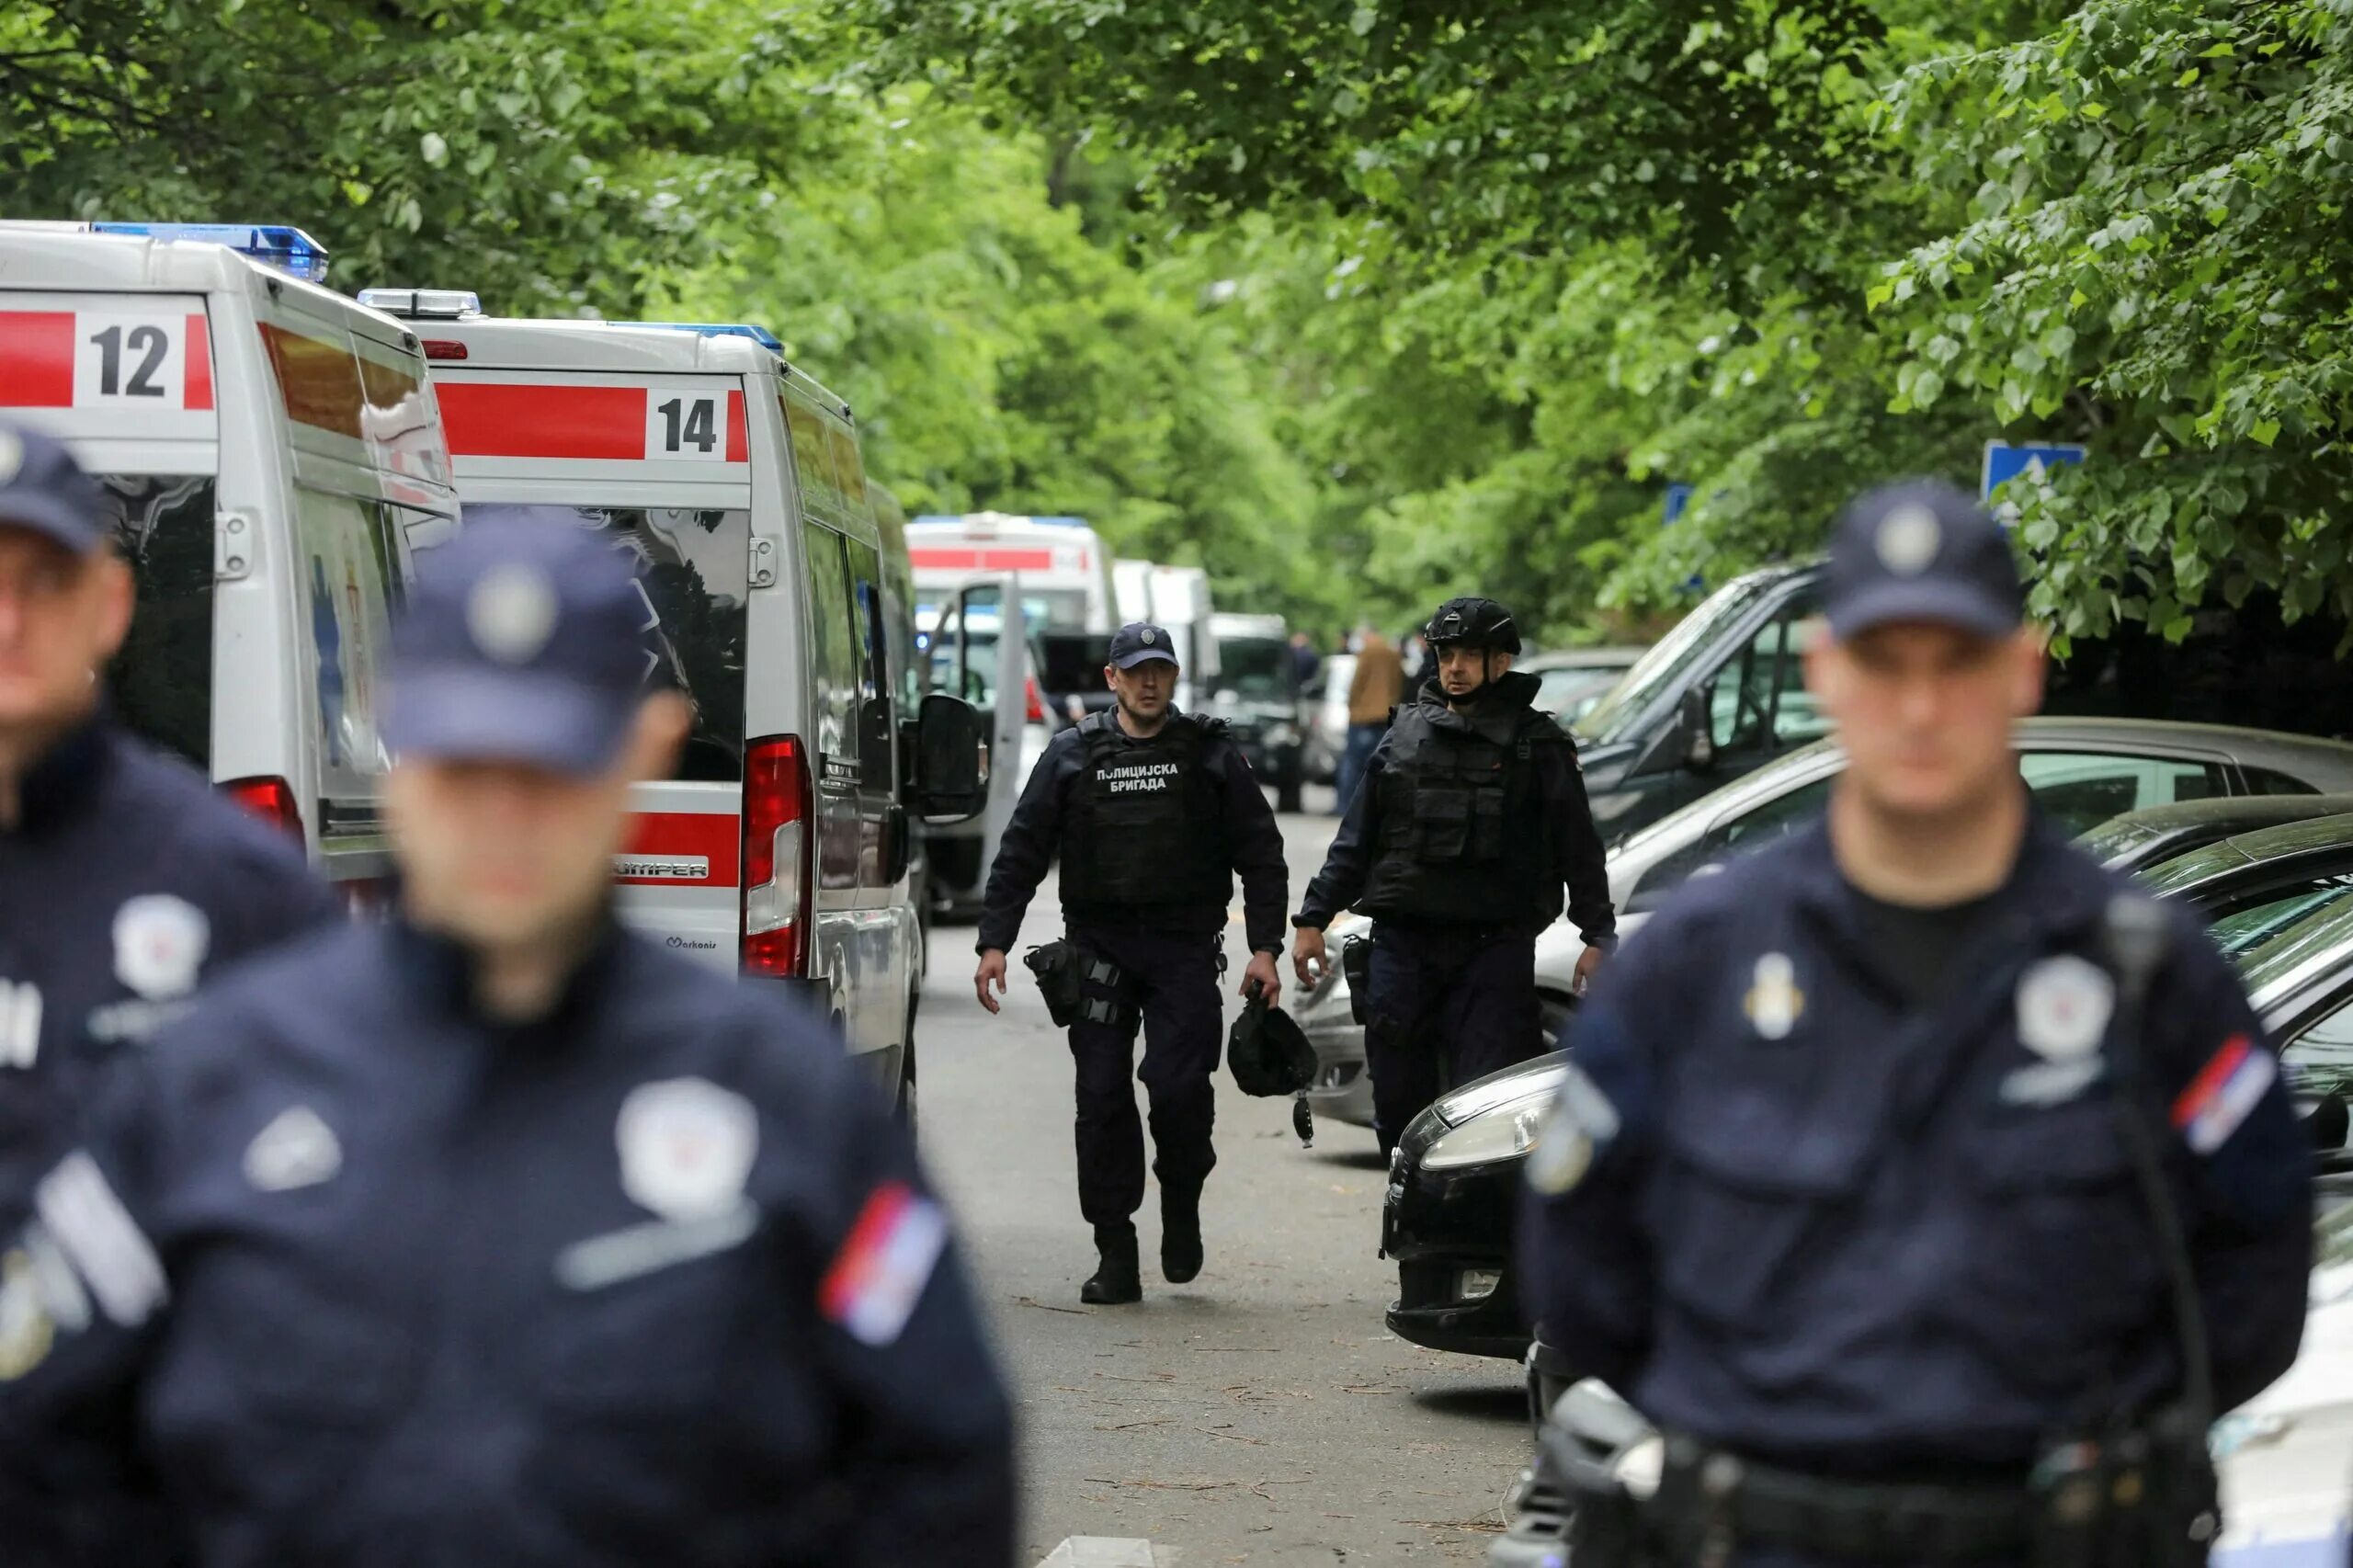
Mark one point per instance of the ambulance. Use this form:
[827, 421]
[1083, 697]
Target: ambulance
[779, 850]
[1063, 569]
[273, 459]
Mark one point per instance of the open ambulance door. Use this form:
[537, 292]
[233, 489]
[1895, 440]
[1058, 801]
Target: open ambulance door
[980, 653]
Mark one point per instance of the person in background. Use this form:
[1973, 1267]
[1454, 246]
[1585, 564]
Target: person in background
[1304, 660]
[1374, 691]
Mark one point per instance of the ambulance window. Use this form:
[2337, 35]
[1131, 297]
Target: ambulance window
[347, 567]
[812, 460]
[833, 648]
[161, 683]
[877, 731]
[693, 566]
[847, 471]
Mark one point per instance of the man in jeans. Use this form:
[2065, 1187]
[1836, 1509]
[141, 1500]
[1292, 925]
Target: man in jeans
[1374, 691]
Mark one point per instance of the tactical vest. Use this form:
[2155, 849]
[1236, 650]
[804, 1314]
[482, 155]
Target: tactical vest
[1459, 836]
[1144, 822]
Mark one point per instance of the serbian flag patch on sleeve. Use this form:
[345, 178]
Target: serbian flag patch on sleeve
[2225, 1091]
[879, 1274]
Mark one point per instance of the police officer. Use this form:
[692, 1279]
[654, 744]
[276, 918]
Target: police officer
[1471, 819]
[495, 1233]
[1153, 812]
[124, 879]
[1846, 1195]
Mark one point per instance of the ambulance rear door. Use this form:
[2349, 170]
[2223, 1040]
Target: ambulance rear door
[663, 467]
[980, 653]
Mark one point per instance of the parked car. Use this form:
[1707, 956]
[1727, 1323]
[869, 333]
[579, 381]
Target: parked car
[2151, 837]
[2255, 886]
[1723, 693]
[1323, 714]
[1454, 1178]
[2081, 771]
[1572, 680]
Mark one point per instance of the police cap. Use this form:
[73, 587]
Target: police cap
[1922, 551]
[1141, 642]
[522, 642]
[43, 490]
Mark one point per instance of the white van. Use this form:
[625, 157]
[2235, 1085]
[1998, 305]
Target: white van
[1180, 605]
[1063, 567]
[781, 849]
[274, 457]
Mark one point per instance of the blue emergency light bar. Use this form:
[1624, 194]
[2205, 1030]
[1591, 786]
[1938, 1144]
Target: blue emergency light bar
[758, 334]
[280, 245]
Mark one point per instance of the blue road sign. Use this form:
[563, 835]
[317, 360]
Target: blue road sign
[2005, 461]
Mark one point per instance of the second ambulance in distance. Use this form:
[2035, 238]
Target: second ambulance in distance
[779, 850]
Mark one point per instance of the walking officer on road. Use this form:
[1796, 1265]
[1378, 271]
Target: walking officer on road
[495, 1233]
[1152, 813]
[1931, 1189]
[1471, 820]
[124, 880]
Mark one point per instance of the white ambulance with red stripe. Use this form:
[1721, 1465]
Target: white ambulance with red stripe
[273, 456]
[1063, 569]
[781, 849]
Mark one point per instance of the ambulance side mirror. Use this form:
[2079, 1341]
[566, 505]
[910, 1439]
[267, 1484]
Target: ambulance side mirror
[950, 778]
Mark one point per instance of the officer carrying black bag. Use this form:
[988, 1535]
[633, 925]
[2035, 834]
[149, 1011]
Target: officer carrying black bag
[1152, 813]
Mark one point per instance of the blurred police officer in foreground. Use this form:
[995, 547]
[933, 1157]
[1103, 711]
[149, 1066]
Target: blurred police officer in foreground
[1153, 812]
[1470, 818]
[495, 1233]
[124, 879]
[1848, 1197]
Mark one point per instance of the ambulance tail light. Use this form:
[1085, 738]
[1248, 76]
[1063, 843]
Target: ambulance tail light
[779, 817]
[443, 348]
[1037, 709]
[272, 800]
[280, 245]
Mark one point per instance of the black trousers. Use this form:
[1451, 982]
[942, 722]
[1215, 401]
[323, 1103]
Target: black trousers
[1444, 1007]
[1168, 983]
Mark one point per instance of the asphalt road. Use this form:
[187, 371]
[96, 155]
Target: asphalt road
[1260, 1414]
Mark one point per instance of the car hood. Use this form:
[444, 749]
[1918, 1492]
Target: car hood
[1540, 1077]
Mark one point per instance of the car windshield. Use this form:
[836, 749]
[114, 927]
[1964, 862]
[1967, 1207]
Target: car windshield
[161, 683]
[1672, 657]
[1256, 669]
[2243, 932]
[2319, 931]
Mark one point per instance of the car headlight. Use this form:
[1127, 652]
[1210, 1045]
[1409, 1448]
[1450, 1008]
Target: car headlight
[1506, 1132]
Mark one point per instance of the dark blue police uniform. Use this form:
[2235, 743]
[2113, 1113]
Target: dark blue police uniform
[125, 882]
[1871, 1216]
[1150, 833]
[1459, 842]
[369, 1276]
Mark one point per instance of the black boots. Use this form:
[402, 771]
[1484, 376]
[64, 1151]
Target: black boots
[1180, 1235]
[1118, 1278]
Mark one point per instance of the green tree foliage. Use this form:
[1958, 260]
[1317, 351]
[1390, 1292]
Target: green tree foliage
[548, 154]
[705, 159]
[2157, 258]
[1777, 250]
